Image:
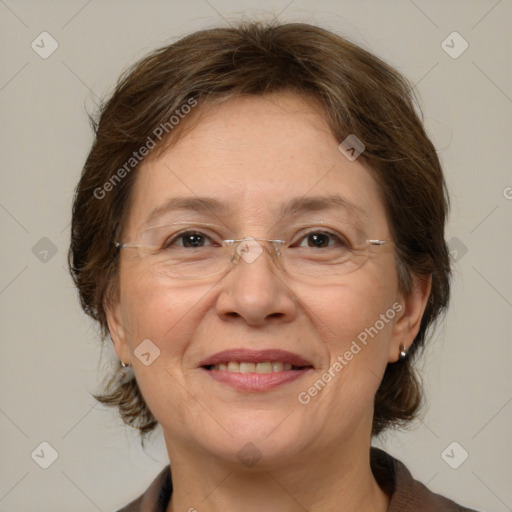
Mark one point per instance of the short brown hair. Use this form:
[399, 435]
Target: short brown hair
[360, 94]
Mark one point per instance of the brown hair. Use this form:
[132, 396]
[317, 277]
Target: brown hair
[361, 95]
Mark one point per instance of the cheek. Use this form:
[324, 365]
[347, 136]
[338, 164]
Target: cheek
[356, 343]
[355, 306]
[152, 309]
[356, 321]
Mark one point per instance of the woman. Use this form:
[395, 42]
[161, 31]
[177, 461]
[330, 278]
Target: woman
[259, 228]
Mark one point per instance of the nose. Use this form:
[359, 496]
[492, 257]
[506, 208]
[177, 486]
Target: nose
[255, 290]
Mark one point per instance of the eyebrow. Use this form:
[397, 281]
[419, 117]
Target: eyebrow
[294, 206]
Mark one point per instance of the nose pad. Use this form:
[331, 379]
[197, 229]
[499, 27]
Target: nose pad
[250, 249]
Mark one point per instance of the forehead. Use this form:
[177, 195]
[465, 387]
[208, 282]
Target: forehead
[256, 157]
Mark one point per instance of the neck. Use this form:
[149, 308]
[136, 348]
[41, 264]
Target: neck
[341, 481]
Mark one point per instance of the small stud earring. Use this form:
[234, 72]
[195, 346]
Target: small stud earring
[125, 373]
[403, 352]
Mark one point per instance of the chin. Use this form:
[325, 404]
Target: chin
[261, 439]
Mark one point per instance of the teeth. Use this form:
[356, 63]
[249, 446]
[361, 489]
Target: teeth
[264, 368]
[243, 367]
[277, 366]
[247, 367]
[233, 366]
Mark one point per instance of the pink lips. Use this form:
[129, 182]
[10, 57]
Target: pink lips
[256, 381]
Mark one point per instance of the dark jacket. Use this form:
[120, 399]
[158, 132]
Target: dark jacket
[407, 494]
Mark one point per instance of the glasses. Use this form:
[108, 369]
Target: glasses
[196, 251]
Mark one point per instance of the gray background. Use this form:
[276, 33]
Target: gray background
[50, 351]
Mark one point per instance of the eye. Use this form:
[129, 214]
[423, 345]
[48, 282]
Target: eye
[188, 239]
[322, 239]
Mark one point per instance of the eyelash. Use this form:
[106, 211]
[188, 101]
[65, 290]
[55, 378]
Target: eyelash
[342, 240]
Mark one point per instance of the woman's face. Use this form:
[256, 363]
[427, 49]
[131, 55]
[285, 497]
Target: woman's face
[254, 156]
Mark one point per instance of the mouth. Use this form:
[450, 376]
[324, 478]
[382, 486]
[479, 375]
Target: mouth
[248, 370]
[255, 361]
[261, 367]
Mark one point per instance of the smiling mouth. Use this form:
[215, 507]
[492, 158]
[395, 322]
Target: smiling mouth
[261, 367]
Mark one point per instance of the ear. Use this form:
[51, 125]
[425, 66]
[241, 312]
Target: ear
[408, 320]
[117, 330]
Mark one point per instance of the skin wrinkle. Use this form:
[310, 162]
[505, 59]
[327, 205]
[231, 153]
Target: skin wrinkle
[213, 206]
[326, 442]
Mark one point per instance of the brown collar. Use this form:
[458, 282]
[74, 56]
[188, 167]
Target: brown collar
[406, 494]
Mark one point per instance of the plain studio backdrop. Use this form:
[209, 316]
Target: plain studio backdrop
[59, 57]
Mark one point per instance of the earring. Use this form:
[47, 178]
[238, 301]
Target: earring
[125, 373]
[403, 352]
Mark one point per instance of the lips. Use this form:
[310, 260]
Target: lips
[255, 370]
[255, 357]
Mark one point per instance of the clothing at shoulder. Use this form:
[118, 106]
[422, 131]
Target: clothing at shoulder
[406, 494]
